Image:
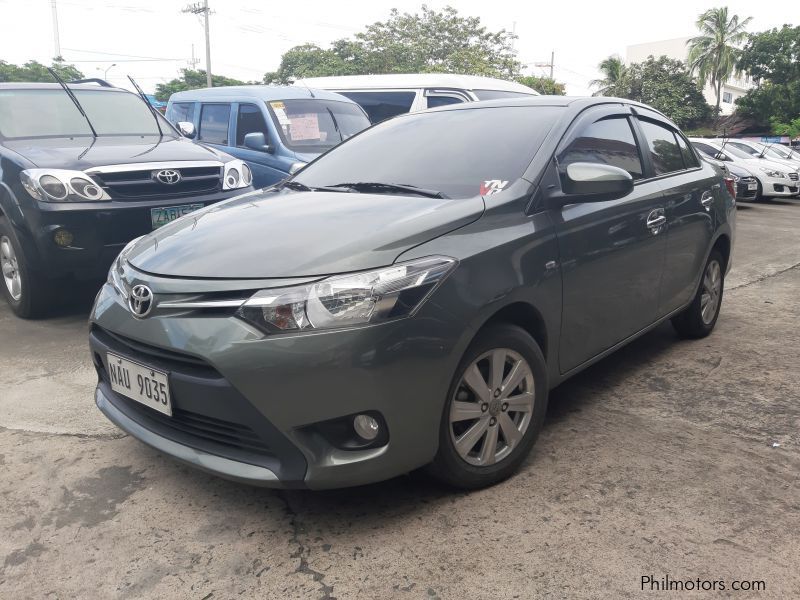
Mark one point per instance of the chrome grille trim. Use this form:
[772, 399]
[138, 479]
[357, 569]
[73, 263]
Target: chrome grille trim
[155, 166]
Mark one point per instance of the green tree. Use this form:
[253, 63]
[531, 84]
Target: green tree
[543, 85]
[427, 41]
[612, 69]
[192, 80]
[792, 128]
[714, 53]
[773, 58]
[666, 85]
[35, 71]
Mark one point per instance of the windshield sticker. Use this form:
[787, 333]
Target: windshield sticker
[277, 105]
[304, 127]
[281, 115]
[492, 186]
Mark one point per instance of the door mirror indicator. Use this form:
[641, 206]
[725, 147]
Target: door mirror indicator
[594, 182]
[257, 141]
[187, 129]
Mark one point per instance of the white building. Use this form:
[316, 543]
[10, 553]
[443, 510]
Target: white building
[678, 49]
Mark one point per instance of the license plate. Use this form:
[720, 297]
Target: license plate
[162, 216]
[752, 186]
[140, 383]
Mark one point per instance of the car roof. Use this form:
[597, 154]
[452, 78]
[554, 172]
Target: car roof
[25, 85]
[260, 92]
[416, 80]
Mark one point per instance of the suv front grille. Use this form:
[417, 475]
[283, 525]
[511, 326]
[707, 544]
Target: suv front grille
[142, 183]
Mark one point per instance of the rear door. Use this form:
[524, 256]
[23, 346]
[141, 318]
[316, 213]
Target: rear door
[215, 124]
[690, 191]
[612, 252]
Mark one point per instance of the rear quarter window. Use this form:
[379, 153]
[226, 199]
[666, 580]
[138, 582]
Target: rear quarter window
[214, 121]
[380, 106]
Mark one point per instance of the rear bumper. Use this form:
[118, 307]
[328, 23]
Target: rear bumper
[99, 231]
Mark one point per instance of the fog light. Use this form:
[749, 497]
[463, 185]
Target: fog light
[366, 427]
[63, 238]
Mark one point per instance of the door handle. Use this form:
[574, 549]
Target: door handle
[656, 220]
[707, 199]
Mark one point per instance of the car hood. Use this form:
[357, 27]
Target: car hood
[754, 163]
[268, 234]
[81, 153]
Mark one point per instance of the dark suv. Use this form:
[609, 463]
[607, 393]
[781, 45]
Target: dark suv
[82, 175]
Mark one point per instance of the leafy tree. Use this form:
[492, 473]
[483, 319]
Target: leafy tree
[666, 85]
[714, 53]
[192, 80]
[428, 41]
[773, 58]
[612, 68]
[792, 129]
[35, 71]
[543, 85]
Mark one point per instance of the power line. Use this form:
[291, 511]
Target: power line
[196, 9]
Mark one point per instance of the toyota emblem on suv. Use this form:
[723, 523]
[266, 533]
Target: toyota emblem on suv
[140, 301]
[168, 176]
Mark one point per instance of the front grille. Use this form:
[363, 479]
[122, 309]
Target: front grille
[742, 190]
[162, 355]
[794, 176]
[142, 183]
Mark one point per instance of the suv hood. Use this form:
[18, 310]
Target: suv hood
[80, 153]
[269, 234]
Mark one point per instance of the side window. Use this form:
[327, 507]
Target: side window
[664, 150]
[608, 141]
[180, 111]
[689, 157]
[706, 149]
[437, 100]
[250, 120]
[214, 120]
[745, 148]
[380, 106]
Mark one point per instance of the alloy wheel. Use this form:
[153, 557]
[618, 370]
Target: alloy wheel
[712, 289]
[492, 407]
[10, 268]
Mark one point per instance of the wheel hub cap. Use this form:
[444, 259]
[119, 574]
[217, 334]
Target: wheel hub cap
[492, 407]
[712, 290]
[10, 268]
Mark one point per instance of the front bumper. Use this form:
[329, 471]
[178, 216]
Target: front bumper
[279, 388]
[100, 231]
[780, 187]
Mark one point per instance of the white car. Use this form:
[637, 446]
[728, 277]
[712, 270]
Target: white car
[774, 179]
[772, 152]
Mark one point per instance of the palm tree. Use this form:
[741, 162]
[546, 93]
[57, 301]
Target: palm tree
[714, 53]
[612, 68]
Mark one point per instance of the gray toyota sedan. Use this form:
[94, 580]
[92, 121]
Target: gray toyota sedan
[409, 298]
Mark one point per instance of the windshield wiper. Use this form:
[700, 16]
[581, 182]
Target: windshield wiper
[335, 124]
[302, 187]
[378, 187]
[149, 106]
[73, 98]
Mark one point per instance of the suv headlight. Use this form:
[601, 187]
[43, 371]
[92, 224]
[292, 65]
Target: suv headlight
[60, 185]
[773, 173]
[348, 300]
[236, 175]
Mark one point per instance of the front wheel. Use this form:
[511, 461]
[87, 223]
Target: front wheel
[24, 290]
[494, 411]
[699, 318]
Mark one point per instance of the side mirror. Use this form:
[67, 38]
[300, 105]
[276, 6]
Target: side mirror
[257, 141]
[595, 182]
[721, 156]
[186, 129]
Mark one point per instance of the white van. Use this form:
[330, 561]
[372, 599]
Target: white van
[385, 96]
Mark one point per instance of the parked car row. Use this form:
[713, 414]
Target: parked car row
[772, 168]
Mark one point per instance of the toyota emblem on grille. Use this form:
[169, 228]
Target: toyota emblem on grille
[168, 176]
[140, 301]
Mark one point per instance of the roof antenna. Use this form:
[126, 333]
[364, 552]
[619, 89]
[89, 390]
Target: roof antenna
[303, 81]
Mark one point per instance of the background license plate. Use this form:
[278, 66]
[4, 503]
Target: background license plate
[752, 186]
[140, 383]
[162, 216]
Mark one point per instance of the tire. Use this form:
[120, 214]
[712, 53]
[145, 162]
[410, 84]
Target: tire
[26, 292]
[488, 414]
[698, 320]
[759, 192]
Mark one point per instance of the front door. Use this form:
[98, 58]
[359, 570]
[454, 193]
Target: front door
[611, 253]
[266, 166]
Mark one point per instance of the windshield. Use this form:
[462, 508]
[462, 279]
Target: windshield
[312, 125]
[733, 151]
[51, 113]
[457, 153]
[744, 148]
[778, 152]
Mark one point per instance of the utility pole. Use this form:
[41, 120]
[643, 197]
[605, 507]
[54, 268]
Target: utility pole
[56, 41]
[551, 64]
[196, 9]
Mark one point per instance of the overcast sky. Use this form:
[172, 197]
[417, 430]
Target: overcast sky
[152, 39]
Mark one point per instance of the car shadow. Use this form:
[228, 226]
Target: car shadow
[73, 299]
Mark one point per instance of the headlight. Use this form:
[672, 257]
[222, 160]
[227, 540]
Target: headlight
[234, 175]
[59, 185]
[348, 300]
[773, 173]
[115, 272]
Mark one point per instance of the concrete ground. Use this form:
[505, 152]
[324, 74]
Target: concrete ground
[670, 458]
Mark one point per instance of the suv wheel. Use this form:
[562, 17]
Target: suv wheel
[700, 316]
[495, 409]
[24, 291]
